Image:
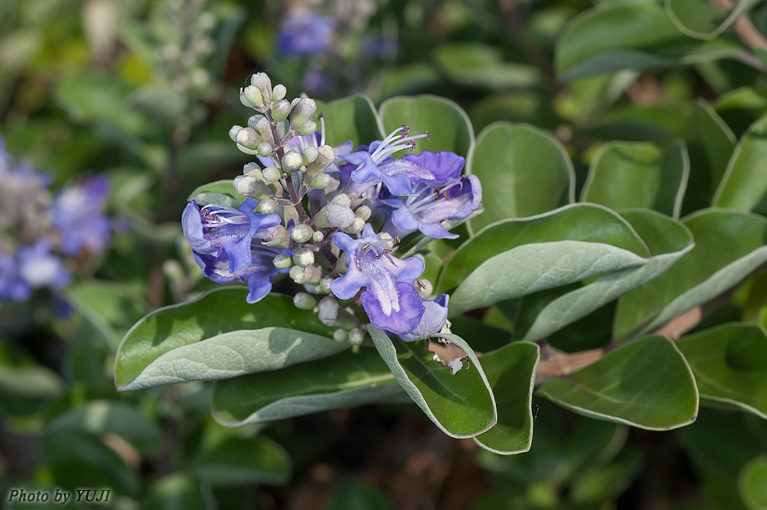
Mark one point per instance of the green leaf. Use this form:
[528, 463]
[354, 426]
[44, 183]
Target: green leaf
[344, 380]
[24, 389]
[219, 335]
[752, 483]
[702, 19]
[596, 484]
[102, 417]
[710, 143]
[110, 306]
[703, 273]
[448, 125]
[352, 119]
[479, 66]
[629, 35]
[519, 106]
[460, 404]
[741, 107]
[524, 171]
[239, 460]
[744, 185]
[667, 240]
[730, 365]
[516, 257]
[511, 373]
[625, 175]
[217, 192]
[646, 384]
[78, 459]
[177, 491]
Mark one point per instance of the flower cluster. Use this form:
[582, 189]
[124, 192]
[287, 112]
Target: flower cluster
[332, 218]
[43, 235]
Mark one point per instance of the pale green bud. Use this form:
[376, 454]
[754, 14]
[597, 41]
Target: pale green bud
[324, 286]
[424, 288]
[356, 337]
[272, 174]
[301, 233]
[267, 206]
[320, 181]
[264, 128]
[356, 226]
[303, 257]
[280, 238]
[340, 335]
[251, 97]
[307, 128]
[302, 111]
[247, 137]
[324, 159]
[252, 169]
[291, 162]
[363, 212]
[304, 301]
[245, 185]
[341, 199]
[281, 110]
[264, 149]
[279, 91]
[282, 261]
[318, 236]
[253, 120]
[310, 153]
[233, 132]
[334, 216]
[264, 85]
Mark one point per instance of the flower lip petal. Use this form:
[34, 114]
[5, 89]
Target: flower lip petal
[401, 321]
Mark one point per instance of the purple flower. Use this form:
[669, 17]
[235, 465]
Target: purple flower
[223, 232]
[433, 320]
[12, 286]
[304, 33]
[389, 298]
[428, 206]
[38, 267]
[77, 213]
[258, 273]
[376, 165]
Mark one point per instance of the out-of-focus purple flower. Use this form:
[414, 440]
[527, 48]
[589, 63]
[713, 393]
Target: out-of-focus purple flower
[429, 206]
[376, 165]
[12, 286]
[39, 267]
[433, 320]
[304, 33]
[223, 232]
[377, 47]
[78, 214]
[258, 273]
[390, 299]
[315, 81]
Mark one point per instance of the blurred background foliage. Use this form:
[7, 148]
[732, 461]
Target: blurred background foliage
[145, 92]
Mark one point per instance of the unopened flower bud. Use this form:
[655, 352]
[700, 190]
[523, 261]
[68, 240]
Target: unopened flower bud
[252, 169]
[303, 257]
[356, 337]
[324, 286]
[251, 97]
[272, 174]
[264, 149]
[324, 159]
[363, 212]
[318, 236]
[304, 301]
[282, 261]
[301, 233]
[328, 310]
[281, 110]
[356, 226]
[291, 162]
[310, 153]
[334, 216]
[264, 129]
[279, 91]
[253, 120]
[302, 111]
[280, 238]
[233, 132]
[340, 335]
[267, 206]
[245, 185]
[342, 199]
[320, 181]
[307, 128]
[247, 137]
[424, 288]
[264, 85]
[309, 274]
